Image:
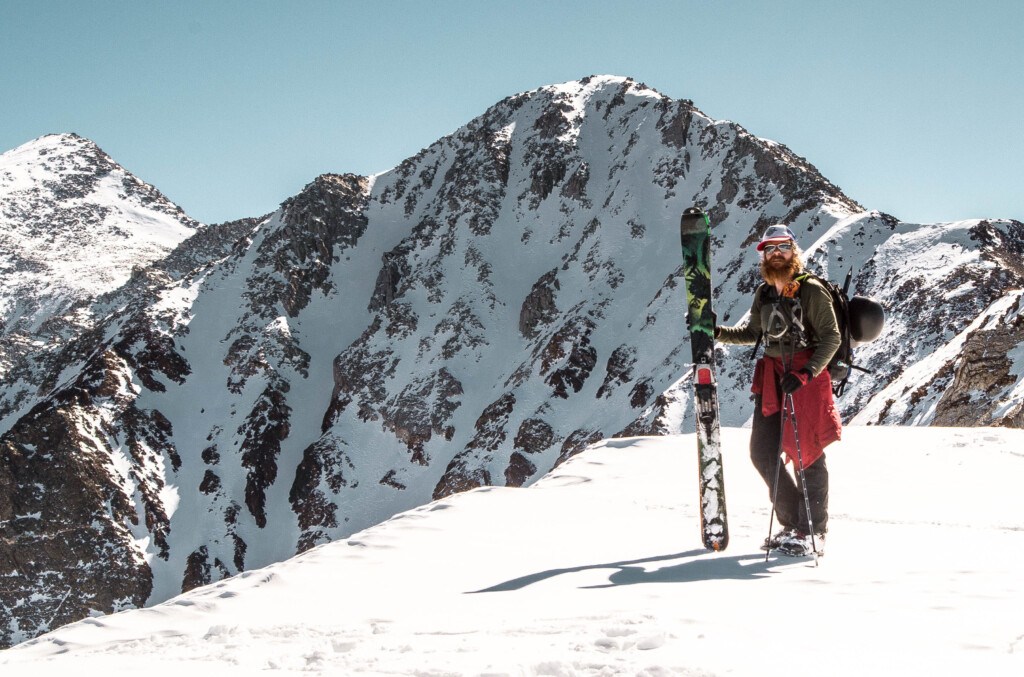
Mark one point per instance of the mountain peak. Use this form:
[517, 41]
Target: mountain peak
[52, 158]
[592, 83]
[577, 93]
[67, 147]
[66, 166]
[74, 223]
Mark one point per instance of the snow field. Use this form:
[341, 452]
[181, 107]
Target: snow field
[597, 570]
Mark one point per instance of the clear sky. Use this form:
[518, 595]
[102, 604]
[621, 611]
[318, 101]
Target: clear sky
[913, 107]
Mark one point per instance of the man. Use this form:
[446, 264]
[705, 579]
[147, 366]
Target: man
[793, 315]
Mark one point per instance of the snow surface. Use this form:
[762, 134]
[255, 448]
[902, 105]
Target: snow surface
[597, 569]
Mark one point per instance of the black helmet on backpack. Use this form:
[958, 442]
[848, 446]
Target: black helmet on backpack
[867, 317]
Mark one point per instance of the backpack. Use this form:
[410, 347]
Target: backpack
[860, 321]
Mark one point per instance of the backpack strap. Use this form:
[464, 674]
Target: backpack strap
[787, 305]
[765, 293]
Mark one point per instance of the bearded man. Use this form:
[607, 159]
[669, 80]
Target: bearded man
[792, 313]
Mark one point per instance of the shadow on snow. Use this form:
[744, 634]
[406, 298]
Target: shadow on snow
[699, 566]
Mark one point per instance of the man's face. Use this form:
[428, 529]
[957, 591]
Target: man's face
[778, 255]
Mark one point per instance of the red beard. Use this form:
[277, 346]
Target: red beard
[777, 269]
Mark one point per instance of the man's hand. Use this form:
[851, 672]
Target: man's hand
[795, 380]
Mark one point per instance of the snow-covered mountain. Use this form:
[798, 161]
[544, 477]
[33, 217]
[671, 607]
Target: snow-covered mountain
[475, 316]
[74, 225]
[598, 569]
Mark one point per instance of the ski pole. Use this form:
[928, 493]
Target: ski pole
[775, 486]
[788, 401]
[778, 457]
[775, 497]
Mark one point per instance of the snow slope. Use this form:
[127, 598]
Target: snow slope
[597, 570]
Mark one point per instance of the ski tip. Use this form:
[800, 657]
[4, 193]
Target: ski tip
[717, 544]
[695, 214]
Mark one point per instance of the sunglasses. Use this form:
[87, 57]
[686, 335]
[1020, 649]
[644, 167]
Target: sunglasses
[772, 248]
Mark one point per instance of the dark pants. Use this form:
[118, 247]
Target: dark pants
[790, 509]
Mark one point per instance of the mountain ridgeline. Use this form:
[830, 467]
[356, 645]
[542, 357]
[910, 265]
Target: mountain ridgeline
[182, 402]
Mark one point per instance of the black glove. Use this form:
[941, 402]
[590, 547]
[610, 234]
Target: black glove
[795, 380]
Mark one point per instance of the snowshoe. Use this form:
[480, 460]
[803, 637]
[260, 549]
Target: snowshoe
[773, 542]
[799, 544]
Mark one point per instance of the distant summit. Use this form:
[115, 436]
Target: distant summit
[78, 219]
[74, 225]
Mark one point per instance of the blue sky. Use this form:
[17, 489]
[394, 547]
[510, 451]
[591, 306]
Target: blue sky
[913, 107]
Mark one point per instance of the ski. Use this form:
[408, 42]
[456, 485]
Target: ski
[695, 234]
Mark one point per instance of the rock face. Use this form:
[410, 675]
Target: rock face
[952, 294]
[475, 316]
[79, 236]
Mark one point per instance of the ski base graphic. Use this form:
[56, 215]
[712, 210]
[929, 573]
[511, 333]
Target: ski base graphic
[695, 235]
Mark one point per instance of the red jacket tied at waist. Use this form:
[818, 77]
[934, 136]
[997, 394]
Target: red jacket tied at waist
[817, 418]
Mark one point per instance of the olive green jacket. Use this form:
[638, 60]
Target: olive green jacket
[821, 331]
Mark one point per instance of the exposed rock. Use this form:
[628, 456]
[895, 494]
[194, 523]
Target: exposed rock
[539, 306]
[319, 476]
[576, 442]
[390, 480]
[393, 270]
[984, 373]
[534, 435]
[466, 471]
[569, 346]
[491, 426]
[264, 429]
[423, 409]
[61, 503]
[519, 470]
[575, 188]
[322, 221]
[618, 370]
